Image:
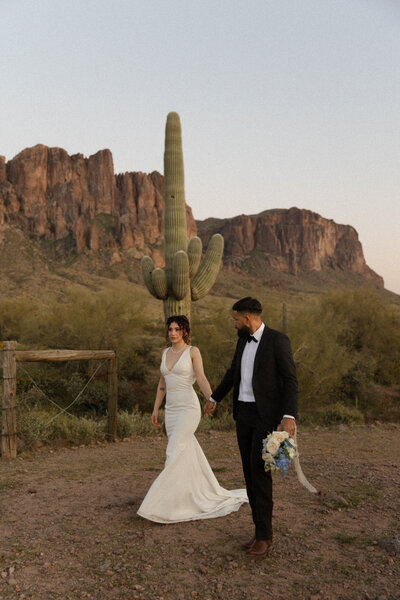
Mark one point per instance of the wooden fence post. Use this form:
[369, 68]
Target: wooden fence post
[113, 393]
[9, 407]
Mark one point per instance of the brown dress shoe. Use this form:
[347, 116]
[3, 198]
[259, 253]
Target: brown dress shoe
[260, 548]
[249, 544]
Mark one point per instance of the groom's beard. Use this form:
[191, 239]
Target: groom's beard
[243, 332]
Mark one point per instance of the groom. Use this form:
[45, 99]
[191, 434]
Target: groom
[263, 377]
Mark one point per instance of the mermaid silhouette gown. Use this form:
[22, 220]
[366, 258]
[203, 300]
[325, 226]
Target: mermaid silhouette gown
[187, 489]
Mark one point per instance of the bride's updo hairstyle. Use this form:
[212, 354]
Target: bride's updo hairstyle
[184, 325]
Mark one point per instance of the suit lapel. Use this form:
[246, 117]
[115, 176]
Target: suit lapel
[261, 346]
[241, 346]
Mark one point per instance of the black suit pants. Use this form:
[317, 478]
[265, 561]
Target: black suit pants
[250, 434]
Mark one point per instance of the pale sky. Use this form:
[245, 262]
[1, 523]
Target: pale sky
[283, 103]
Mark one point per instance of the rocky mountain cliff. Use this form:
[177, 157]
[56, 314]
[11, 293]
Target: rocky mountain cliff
[291, 240]
[53, 196]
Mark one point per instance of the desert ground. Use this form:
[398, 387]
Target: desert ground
[69, 528]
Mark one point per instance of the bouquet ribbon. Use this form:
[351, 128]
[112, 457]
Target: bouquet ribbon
[299, 471]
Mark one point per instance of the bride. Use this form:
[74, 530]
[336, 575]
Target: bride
[186, 489]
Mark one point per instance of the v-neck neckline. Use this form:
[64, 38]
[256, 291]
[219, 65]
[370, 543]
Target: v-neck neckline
[165, 359]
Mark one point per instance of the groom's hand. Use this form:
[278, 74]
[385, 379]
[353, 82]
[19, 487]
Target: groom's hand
[288, 425]
[209, 408]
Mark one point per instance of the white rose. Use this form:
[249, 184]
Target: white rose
[273, 446]
[268, 458]
[291, 452]
[280, 436]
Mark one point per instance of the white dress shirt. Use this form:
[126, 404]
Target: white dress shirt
[246, 393]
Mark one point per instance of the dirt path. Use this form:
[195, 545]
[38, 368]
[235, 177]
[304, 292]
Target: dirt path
[69, 527]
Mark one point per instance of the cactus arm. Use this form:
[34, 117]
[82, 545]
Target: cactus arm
[159, 282]
[208, 271]
[194, 254]
[147, 269]
[180, 275]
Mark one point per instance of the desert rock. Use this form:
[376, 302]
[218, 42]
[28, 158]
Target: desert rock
[51, 195]
[291, 240]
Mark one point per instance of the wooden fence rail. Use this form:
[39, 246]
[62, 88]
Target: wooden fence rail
[9, 406]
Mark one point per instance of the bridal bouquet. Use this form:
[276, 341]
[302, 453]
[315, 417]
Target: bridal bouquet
[278, 451]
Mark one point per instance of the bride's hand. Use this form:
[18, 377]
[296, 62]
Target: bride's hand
[154, 418]
[209, 408]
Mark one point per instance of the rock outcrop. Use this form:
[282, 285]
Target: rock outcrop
[291, 240]
[53, 196]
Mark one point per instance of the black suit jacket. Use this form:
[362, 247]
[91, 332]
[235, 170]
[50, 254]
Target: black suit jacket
[274, 377]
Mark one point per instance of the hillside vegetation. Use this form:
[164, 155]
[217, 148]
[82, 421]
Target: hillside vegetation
[346, 344]
[345, 337]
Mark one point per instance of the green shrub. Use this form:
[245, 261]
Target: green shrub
[134, 365]
[136, 423]
[32, 427]
[87, 319]
[93, 399]
[222, 422]
[127, 400]
[379, 402]
[31, 399]
[336, 414]
[347, 341]
[76, 430]
[346, 347]
[13, 316]
[39, 426]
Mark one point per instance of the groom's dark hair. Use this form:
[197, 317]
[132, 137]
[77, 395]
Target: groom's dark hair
[248, 305]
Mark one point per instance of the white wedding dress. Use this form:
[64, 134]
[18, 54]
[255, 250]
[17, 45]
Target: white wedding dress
[186, 489]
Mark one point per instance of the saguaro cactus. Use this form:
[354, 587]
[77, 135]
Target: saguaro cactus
[185, 277]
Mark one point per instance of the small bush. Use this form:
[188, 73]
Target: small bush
[136, 423]
[379, 402]
[336, 414]
[13, 315]
[94, 398]
[76, 430]
[134, 365]
[223, 422]
[37, 427]
[126, 395]
[32, 398]
[32, 427]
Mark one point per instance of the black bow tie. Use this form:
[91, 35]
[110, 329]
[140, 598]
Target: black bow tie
[251, 338]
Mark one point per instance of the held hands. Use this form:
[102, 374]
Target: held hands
[209, 408]
[288, 425]
[154, 418]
